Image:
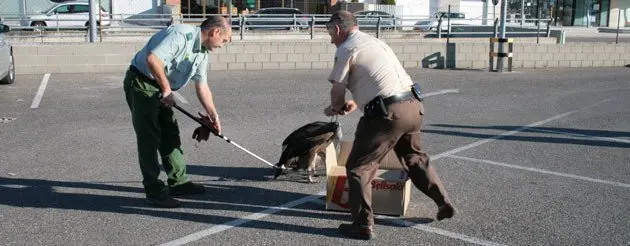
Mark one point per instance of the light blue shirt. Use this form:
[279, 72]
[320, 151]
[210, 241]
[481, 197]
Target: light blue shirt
[179, 47]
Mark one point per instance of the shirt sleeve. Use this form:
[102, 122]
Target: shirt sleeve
[201, 75]
[341, 67]
[169, 47]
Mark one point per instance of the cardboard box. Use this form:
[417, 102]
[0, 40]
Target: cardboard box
[391, 187]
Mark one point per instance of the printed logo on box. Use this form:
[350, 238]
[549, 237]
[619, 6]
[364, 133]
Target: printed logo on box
[341, 189]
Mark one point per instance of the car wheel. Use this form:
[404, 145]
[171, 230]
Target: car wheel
[38, 25]
[10, 78]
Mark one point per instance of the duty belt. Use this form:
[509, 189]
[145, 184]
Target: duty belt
[378, 105]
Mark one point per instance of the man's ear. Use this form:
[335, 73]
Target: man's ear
[216, 32]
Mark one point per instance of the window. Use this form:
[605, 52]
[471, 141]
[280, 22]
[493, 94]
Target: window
[81, 9]
[62, 9]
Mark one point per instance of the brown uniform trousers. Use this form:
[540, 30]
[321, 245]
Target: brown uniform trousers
[374, 138]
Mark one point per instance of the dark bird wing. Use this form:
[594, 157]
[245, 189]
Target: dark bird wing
[305, 139]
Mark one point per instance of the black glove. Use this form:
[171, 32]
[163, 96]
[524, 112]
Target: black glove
[201, 133]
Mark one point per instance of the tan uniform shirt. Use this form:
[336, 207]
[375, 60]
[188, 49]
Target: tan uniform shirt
[368, 67]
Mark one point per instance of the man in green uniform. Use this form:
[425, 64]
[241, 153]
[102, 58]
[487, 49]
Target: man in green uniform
[171, 58]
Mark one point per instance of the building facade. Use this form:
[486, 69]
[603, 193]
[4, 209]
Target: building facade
[587, 13]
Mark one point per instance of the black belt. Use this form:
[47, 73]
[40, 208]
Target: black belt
[378, 105]
[398, 98]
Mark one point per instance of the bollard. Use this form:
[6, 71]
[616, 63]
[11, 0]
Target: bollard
[500, 55]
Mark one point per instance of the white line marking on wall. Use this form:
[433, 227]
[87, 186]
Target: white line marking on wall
[180, 97]
[537, 170]
[235, 223]
[40, 91]
[505, 134]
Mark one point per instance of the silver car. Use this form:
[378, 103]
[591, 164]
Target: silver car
[7, 65]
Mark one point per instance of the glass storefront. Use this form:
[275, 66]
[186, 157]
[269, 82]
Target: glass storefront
[562, 12]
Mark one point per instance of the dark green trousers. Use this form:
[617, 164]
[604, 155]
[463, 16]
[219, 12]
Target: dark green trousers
[156, 132]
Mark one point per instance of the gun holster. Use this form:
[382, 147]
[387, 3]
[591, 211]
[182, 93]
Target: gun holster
[417, 91]
[376, 108]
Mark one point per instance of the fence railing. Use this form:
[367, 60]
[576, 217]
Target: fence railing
[252, 25]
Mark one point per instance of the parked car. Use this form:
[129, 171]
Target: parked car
[277, 16]
[432, 24]
[7, 65]
[67, 14]
[369, 19]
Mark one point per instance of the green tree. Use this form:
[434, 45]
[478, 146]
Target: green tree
[388, 2]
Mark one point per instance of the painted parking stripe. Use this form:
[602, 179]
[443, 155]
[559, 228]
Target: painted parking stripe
[440, 92]
[235, 223]
[510, 133]
[537, 170]
[40, 91]
[429, 229]
[582, 135]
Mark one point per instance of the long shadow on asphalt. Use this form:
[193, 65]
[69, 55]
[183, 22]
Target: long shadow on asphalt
[244, 174]
[37, 193]
[544, 130]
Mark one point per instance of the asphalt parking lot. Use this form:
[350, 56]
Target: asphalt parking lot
[535, 157]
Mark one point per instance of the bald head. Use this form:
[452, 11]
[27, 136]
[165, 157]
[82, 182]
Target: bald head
[344, 19]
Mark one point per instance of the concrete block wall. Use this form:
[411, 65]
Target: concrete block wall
[258, 55]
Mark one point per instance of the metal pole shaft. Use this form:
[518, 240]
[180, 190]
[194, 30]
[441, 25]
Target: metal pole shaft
[500, 60]
[92, 22]
[522, 12]
[618, 26]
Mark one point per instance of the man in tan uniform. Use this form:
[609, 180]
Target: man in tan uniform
[392, 118]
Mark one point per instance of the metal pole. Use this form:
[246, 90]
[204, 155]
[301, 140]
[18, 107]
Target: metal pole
[538, 32]
[522, 12]
[448, 25]
[92, 22]
[100, 22]
[502, 35]
[618, 26]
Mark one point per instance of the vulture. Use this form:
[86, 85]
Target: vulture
[302, 147]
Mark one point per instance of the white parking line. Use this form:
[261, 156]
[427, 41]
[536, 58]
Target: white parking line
[180, 97]
[440, 92]
[40, 91]
[537, 170]
[505, 134]
[429, 229]
[219, 228]
[582, 135]
[234, 223]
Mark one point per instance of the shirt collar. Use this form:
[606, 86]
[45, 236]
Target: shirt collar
[197, 47]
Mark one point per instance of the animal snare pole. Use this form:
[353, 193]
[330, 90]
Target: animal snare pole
[203, 123]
